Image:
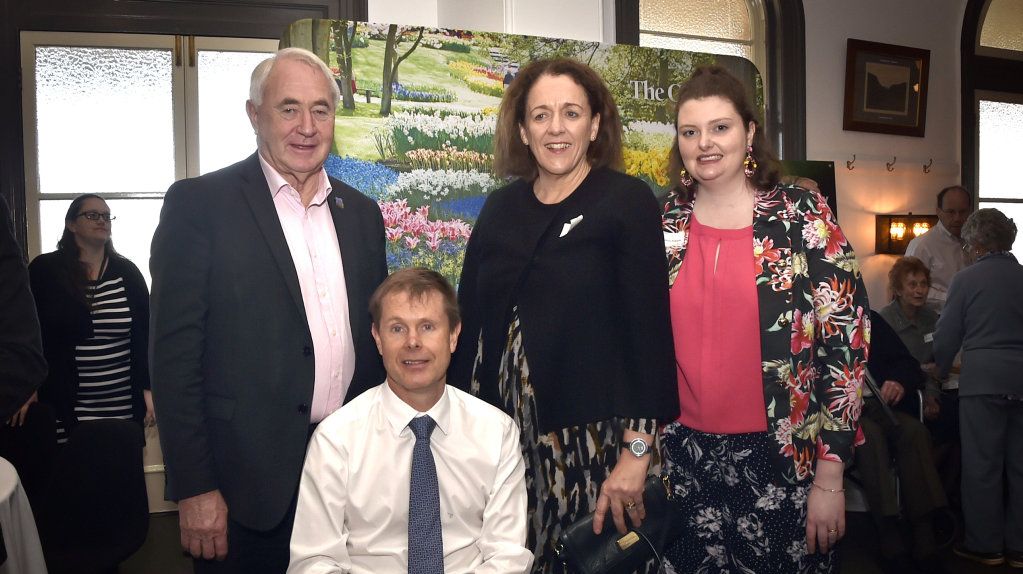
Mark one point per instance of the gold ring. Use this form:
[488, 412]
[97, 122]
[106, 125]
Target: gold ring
[630, 505]
[832, 531]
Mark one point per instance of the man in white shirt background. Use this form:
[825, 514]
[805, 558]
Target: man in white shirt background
[363, 470]
[941, 248]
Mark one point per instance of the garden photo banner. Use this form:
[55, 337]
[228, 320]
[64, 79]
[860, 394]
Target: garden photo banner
[415, 126]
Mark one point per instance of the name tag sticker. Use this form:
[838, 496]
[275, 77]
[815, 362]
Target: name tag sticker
[929, 338]
[673, 240]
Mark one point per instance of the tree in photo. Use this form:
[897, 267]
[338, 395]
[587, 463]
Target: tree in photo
[391, 62]
[343, 33]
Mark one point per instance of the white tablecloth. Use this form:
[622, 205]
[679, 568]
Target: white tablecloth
[24, 553]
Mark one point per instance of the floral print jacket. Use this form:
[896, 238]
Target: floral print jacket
[814, 320]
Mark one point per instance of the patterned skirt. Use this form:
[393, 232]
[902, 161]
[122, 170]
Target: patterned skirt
[737, 519]
[564, 468]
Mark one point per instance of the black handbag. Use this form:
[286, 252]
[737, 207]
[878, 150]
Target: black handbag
[612, 553]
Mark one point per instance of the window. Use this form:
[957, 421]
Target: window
[1000, 123]
[993, 105]
[119, 115]
[731, 27]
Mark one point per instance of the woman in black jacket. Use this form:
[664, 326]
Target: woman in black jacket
[93, 309]
[565, 314]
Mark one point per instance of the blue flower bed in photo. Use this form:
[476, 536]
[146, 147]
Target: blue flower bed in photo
[467, 208]
[369, 177]
[415, 93]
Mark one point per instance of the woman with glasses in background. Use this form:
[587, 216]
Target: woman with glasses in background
[93, 309]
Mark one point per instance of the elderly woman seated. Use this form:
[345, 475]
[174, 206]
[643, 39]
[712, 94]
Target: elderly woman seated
[897, 439]
[983, 316]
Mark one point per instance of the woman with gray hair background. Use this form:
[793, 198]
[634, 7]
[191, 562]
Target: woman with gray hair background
[984, 316]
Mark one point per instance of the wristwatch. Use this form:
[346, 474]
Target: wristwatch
[639, 447]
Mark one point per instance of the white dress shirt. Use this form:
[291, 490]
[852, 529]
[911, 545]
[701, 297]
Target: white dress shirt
[943, 254]
[352, 514]
[313, 244]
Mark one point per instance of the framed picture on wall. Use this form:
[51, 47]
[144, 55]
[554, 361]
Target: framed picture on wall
[885, 88]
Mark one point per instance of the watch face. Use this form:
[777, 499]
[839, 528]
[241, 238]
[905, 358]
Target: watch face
[639, 447]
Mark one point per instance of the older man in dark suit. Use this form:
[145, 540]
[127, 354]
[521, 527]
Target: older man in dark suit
[262, 273]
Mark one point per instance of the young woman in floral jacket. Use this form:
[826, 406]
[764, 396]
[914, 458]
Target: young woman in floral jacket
[771, 328]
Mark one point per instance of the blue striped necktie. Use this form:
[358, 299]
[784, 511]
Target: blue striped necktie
[425, 547]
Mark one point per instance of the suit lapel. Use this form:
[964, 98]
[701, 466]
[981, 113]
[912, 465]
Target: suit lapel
[344, 220]
[257, 194]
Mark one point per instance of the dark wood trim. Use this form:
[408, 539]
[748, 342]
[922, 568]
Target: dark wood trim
[228, 18]
[786, 68]
[980, 73]
[627, 22]
[968, 111]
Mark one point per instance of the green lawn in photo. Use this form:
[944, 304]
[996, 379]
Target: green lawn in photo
[426, 66]
[353, 129]
[353, 135]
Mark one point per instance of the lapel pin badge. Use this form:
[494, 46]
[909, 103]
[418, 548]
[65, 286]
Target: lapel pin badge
[340, 203]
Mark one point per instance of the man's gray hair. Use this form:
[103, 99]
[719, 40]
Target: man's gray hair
[990, 229]
[262, 72]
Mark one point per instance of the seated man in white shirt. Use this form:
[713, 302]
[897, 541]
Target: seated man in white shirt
[353, 505]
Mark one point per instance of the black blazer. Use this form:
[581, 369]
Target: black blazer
[593, 307]
[22, 368]
[66, 322]
[232, 356]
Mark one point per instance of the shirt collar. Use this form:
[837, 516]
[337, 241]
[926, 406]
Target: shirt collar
[946, 233]
[276, 182]
[398, 413]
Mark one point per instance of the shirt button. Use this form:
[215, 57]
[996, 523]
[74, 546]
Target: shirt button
[333, 333]
[303, 408]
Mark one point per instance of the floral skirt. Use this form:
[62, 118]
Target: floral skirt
[564, 468]
[737, 520]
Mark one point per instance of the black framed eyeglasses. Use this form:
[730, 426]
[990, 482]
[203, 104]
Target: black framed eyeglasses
[96, 216]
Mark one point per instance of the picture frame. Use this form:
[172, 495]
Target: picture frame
[885, 88]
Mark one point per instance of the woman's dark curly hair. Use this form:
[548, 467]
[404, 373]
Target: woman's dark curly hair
[709, 81]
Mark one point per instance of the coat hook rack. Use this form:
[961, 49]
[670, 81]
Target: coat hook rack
[849, 163]
[890, 166]
[927, 166]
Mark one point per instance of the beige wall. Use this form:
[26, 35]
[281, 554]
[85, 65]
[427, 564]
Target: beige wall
[870, 188]
[574, 19]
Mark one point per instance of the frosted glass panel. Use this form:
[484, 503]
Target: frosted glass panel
[1003, 25]
[1001, 123]
[1015, 211]
[225, 134]
[131, 232]
[726, 19]
[688, 44]
[104, 114]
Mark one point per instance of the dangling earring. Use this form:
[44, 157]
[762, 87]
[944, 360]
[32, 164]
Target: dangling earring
[749, 165]
[684, 177]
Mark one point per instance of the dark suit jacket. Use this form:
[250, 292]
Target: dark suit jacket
[22, 368]
[232, 358]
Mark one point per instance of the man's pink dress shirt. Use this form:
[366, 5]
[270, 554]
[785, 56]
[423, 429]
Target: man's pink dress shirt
[315, 250]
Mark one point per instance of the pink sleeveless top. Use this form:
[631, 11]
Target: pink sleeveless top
[716, 323]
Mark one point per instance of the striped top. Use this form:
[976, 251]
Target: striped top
[103, 361]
